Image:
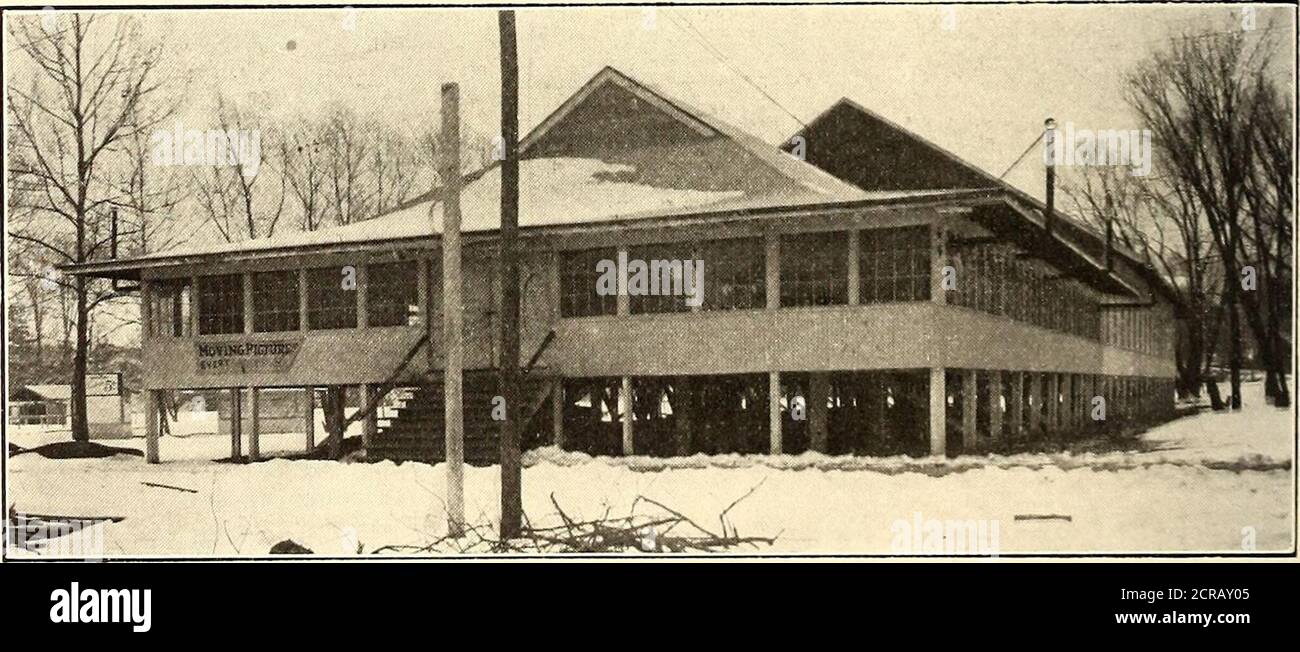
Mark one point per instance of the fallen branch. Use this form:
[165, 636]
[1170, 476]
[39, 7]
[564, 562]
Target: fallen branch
[167, 486]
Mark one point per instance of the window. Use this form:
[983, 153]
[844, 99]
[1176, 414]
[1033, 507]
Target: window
[578, 276]
[330, 302]
[814, 269]
[392, 294]
[894, 264]
[666, 280]
[275, 301]
[169, 308]
[734, 274]
[221, 304]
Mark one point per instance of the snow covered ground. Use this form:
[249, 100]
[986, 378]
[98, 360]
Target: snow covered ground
[1220, 483]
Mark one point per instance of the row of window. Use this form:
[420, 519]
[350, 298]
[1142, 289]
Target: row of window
[1140, 329]
[993, 279]
[893, 265]
[277, 303]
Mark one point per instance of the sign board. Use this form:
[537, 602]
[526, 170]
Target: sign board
[103, 384]
[246, 356]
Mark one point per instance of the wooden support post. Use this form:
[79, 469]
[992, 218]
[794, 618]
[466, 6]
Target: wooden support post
[254, 425]
[625, 411]
[772, 270]
[622, 301]
[1067, 402]
[370, 424]
[938, 260]
[363, 310]
[557, 414]
[194, 306]
[855, 285]
[309, 418]
[818, 395]
[871, 404]
[683, 414]
[995, 405]
[151, 418]
[1035, 403]
[146, 311]
[303, 323]
[236, 423]
[969, 411]
[774, 422]
[1016, 405]
[453, 309]
[336, 414]
[248, 302]
[422, 291]
[938, 412]
[1052, 420]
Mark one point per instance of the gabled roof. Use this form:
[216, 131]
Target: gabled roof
[684, 161]
[51, 392]
[874, 153]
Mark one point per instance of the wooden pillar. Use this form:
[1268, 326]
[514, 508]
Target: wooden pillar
[938, 412]
[938, 260]
[254, 428]
[995, 405]
[146, 310]
[818, 395]
[236, 423]
[969, 410]
[869, 410]
[363, 313]
[775, 445]
[1035, 403]
[1052, 403]
[1016, 404]
[557, 414]
[772, 270]
[151, 418]
[622, 302]
[194, 306]
[309, 418]
[303, 323]
[683, 413]
[422, 290]
[1067, 402]
[335, 414]
[370, 424]
[625, 409]
[453, 309]
[855, 285]
[248, 302]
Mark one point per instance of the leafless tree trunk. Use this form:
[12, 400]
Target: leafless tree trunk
[1199, 97]
[87, 96]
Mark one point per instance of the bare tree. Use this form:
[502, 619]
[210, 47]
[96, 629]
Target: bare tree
[1268, 240]
[1158, 218]
[229, 190]
[303, 166]
[90, 85]
[1199, 97]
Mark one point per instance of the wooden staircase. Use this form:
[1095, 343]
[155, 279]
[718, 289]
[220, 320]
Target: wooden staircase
[416, 433]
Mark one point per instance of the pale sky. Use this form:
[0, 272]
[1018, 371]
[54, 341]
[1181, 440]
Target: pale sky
[981, 88]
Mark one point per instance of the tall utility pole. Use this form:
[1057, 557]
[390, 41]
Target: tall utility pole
[452, 310]
[1049, 142]
[508, 271]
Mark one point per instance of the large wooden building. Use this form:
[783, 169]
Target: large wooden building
[868, 293]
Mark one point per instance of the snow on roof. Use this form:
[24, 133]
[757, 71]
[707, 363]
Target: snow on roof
[570, 191]
[552, 191]
[52, 392]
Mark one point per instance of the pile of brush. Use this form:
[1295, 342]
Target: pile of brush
[660, 529]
